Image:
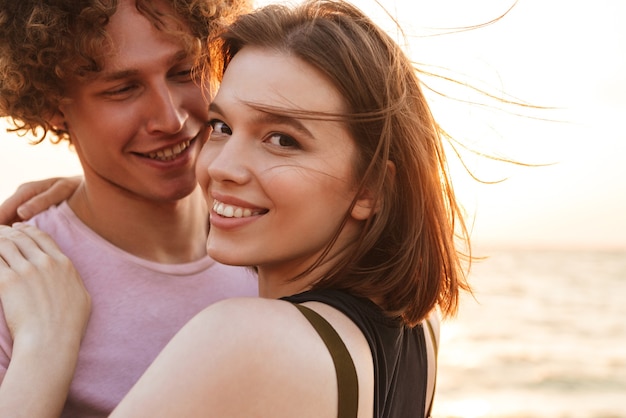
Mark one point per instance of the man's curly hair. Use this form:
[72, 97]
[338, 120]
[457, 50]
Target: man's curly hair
[43, 44]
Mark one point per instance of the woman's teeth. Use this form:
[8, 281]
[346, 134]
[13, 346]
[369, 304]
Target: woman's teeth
[229, 211]
[168, 154]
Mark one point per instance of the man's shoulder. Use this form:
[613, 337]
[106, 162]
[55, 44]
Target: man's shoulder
[53, 217]
[69, 233]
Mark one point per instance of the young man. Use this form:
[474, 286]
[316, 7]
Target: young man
[127, 97]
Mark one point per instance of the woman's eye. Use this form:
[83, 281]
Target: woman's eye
[220, 127]
[282, 140]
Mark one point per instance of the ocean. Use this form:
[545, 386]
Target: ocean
[543, 336]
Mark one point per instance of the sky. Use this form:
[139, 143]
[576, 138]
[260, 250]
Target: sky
[564, 57]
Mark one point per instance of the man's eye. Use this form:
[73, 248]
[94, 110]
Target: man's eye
[282, 140]
[183, 74]
[220, 127]
[120, 91]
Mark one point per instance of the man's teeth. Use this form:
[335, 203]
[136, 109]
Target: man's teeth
[168, 154]
[229, 211]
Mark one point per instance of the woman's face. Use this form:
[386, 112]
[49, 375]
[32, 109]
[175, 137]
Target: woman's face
[279, 186]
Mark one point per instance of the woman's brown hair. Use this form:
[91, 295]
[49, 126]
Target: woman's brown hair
[407, 259]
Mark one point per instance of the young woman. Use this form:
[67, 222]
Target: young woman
[325, 172]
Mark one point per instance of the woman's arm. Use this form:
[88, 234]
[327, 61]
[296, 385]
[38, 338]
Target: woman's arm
[36, 196]
[46, 308]
[243, 358]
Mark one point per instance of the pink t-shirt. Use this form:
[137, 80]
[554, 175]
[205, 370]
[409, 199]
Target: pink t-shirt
[137, 307]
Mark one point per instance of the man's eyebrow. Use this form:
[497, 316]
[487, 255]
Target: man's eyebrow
[132, 72]
[267, 117]
[118, 75]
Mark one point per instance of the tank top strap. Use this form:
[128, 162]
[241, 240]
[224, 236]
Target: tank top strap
[431, 331]
[347, 382]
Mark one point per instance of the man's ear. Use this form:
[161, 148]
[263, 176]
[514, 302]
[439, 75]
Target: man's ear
[57, 121]
[364, 206]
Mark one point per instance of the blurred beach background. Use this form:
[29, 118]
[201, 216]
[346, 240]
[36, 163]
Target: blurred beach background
[545, 333]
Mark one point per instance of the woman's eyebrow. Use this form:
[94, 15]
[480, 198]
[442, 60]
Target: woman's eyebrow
[273, 118]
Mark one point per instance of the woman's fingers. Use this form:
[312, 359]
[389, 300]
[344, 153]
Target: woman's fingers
[42, 294]
[9, 249]
[32, 241]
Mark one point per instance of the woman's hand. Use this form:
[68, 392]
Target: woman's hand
[40, 290]
[47, 309]
[36, 196]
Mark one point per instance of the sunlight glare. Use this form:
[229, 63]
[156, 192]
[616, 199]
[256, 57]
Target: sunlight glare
[467, 408]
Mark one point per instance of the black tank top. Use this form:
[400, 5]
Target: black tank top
[399, 353]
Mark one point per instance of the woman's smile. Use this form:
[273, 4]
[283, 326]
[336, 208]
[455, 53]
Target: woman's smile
[232, 211]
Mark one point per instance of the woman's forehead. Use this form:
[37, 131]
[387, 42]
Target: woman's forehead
[270, 77]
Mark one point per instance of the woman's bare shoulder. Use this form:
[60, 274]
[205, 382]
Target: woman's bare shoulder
[249, 357]
[239, 358]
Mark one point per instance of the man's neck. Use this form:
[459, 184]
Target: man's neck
[166, 232]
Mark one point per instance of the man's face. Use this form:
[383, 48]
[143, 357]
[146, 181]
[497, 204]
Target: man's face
[139, 125]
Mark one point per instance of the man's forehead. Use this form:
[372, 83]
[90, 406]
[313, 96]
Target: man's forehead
[133, 33]
[159, 12]
[115, 69]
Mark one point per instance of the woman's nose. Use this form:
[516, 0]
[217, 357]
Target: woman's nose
[230, 160]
